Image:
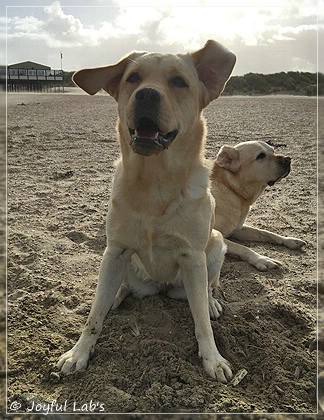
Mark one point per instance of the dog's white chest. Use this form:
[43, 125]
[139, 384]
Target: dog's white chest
[158, 242]
[154, 250]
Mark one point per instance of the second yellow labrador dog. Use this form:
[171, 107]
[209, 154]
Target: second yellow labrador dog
[239, 176]
[161, 212]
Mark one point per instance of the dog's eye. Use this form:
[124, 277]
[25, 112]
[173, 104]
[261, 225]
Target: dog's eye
[133, 78]
[179, 82]
[261, 155]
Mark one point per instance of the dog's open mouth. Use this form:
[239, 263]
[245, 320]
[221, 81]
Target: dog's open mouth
[147, 139]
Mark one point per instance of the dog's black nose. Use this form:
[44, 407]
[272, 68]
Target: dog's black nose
[285, 161]
[148, 96]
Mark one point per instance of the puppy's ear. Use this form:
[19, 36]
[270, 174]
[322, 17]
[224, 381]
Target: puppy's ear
[228, 158]
[107, 78]
[214, 64]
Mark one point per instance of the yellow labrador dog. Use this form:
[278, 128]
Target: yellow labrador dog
[161, 212]
[239, 176]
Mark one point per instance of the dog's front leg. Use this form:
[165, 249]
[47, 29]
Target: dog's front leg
[193, 268]
[112, 272]
[248, 233]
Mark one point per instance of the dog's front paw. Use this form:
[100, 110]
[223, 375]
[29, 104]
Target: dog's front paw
[264, 263]
[74, 360]
[293, 243]
[218, 368]
[215, 308]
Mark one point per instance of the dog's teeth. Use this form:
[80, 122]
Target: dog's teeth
[146, 135]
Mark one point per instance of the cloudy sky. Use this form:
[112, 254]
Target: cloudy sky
[267, 36]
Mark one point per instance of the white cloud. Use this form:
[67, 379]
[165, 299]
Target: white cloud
[29, 24]
[65, 30]
[255, 28]
[279, 37]
[298, 62]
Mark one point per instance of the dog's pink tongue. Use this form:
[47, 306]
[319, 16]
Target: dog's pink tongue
[147, 134]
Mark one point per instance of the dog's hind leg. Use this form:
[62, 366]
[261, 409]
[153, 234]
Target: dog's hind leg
[122, 293]
[215, 254]
[138, 282]
[260, 262]
[113, 270]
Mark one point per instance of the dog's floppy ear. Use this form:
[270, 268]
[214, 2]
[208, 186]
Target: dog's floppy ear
[228, 158]
[107, 78]
[214, 64]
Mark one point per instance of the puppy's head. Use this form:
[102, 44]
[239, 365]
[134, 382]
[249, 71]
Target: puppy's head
[160, 96]
[254, 162]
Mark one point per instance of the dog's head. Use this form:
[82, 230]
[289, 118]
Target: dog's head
[254, 162]
[160, 96]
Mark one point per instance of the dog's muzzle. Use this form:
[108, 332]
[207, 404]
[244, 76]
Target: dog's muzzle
[147, 140]
[285, 165]
[146, 137]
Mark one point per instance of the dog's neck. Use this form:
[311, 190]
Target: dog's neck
[246, 192]
[159, 181]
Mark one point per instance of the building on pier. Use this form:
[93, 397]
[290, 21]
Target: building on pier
[32, 77]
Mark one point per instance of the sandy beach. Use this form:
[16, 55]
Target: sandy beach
[61, 153]
[2, 247]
